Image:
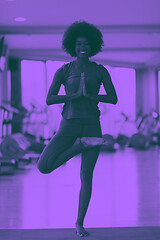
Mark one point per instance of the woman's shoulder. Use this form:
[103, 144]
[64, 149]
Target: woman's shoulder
[98, 65]
[66, 66]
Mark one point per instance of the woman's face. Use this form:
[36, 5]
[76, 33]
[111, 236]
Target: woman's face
[82, 47]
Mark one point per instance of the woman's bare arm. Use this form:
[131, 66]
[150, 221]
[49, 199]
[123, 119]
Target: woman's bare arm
[53, 97]
[111, 96]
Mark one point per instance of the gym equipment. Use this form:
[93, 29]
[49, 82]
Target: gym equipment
[146, 128]
[7, 117]
[35, 120]
[122, 140]
[14, 147]
[18, 147]
[155, 136]
[7, 166]
[109, 143]
[10, 149]
[22, 149]
[139, 141]
[123, 136]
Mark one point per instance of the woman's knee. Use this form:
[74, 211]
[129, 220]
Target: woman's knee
[43, 168]
[44, 171]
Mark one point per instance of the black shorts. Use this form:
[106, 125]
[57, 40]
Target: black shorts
[80, 127]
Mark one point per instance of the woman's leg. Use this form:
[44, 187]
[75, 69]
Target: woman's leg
[89, 159]
[59, 150]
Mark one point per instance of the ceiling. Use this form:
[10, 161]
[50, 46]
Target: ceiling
[131, 29]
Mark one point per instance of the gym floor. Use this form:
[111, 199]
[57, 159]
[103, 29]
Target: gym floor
[126, 193]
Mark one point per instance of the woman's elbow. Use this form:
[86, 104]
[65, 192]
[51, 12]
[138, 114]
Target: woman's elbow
[115, 100]
[51, 99]
[48, 101]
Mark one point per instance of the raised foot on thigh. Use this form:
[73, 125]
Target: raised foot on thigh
[92, 141]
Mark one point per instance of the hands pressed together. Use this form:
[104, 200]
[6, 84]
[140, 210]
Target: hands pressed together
[53, 97]
[81, 90]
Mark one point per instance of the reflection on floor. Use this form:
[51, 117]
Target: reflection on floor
[126, 193]
[121, 233]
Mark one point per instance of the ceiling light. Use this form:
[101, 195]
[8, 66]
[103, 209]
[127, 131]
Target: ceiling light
[20, 19]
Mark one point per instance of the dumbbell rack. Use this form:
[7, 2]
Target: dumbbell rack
[7, 113]
[6, 165]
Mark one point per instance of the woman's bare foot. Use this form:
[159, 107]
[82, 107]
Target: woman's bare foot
[92, 141]
[80, 231]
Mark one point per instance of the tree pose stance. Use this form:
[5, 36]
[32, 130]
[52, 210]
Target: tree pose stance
[80, 129]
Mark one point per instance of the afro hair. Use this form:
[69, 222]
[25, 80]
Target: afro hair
[82, 29]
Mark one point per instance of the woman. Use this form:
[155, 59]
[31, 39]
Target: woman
[80, 129]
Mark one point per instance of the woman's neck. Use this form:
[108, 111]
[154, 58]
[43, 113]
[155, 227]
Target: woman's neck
[82, 61]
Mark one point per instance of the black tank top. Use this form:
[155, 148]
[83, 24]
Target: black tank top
[82, 107]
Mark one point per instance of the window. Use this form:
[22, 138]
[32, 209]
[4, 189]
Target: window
[112, 120]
